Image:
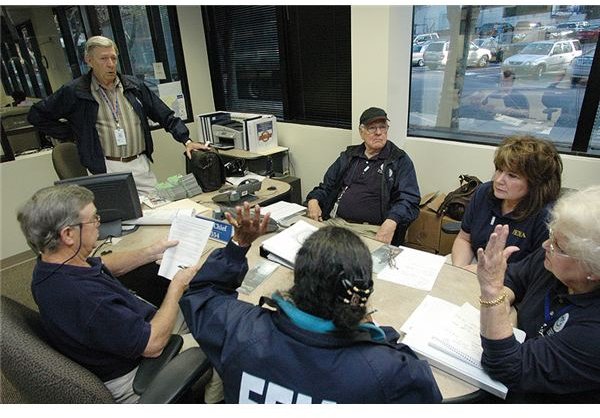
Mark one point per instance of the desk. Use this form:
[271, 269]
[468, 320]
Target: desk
[394, 302]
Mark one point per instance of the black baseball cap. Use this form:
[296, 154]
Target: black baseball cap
[372, 114]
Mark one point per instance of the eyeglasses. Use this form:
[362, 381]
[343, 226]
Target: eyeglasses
[553, 245]
[95, 220]
[373, 128]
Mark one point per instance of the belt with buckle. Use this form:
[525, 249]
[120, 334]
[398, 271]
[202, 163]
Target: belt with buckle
[122, 159]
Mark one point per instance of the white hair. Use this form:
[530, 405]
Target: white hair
[576, 216]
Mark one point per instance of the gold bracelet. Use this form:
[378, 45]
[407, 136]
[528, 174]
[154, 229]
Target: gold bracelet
[494, 302]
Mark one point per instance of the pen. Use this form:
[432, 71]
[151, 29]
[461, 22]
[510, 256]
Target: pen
[182, 267]
[372, 312]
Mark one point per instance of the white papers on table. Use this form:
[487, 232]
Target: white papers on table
[414, 268]
[159, 216]
[249, 175]
[165, 214]
[283, 210]
[192, 234]
[447, 336]
[283, 247]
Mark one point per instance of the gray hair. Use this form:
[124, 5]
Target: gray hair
[50, 210]
[99, 42]
[576, 216]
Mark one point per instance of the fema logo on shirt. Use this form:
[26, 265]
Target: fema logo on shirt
[559, 324]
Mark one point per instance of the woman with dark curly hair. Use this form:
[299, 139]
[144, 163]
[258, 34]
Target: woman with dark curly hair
[525, 184]
[317, 345]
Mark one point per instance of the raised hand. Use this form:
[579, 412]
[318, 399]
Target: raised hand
[247, 226]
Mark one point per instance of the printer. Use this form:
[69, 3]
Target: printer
[228, 134]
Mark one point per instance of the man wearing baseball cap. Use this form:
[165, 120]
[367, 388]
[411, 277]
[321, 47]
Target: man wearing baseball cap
[371, 188]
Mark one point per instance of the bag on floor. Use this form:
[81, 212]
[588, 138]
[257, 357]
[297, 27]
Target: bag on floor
[455, 203]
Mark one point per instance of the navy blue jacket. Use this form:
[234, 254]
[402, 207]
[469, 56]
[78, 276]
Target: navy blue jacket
[265, 357]
[399, 187]
[90, 317]
[75, 103]
[484, 212]
[564, 362]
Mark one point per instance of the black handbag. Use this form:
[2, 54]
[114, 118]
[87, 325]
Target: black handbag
[456, 202]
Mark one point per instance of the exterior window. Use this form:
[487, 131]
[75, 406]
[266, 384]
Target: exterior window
[481, 73]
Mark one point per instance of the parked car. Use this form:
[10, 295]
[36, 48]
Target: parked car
[494, 29]
[426, 38]
[436, 55]
[588, 33]
[526, 31]
[491, 44]
[580, 68]
[539, 58]
[417, 54]
[568, 29]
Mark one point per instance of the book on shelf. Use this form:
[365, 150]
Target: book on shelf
[447, 336]
[283, 247]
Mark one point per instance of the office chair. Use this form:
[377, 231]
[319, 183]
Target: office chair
[66, 161]
[43, 375]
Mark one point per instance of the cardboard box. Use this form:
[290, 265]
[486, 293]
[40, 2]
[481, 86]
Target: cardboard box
[425, 233]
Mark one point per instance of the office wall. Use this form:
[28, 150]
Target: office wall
[381, 40]
[19, 180]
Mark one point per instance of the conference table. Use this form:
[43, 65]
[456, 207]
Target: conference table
[394, 302]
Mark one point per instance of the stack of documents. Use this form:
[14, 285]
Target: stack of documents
[284, 212]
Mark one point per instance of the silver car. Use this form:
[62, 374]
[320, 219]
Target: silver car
[436, 55]
[417, 54]
[539, 58]
[580, 67]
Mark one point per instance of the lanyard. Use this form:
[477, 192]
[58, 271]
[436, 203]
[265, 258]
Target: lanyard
[551, 318]
[114, 110]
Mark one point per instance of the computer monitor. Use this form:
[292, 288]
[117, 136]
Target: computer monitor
[116, 199]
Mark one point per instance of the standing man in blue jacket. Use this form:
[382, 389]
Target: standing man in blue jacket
[106, 113]
[371, 188]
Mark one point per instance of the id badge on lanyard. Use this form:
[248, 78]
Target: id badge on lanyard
[120, 136]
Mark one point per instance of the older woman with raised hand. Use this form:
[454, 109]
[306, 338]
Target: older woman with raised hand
[556, 291]
[525, 184]
[318, 345]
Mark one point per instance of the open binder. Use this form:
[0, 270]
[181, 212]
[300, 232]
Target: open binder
[283, 247]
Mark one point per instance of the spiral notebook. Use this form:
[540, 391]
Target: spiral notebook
[447, 336]
[459, 337]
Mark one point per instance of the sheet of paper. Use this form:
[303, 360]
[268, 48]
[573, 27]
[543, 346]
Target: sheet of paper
[414, 268]
[282, 210]
[192, 234]
[249, 175]
[160, 216]
[172, 94]
[159, 70]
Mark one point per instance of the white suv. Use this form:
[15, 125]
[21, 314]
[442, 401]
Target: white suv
[425, 37]
[539, 58]
[436, 55]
